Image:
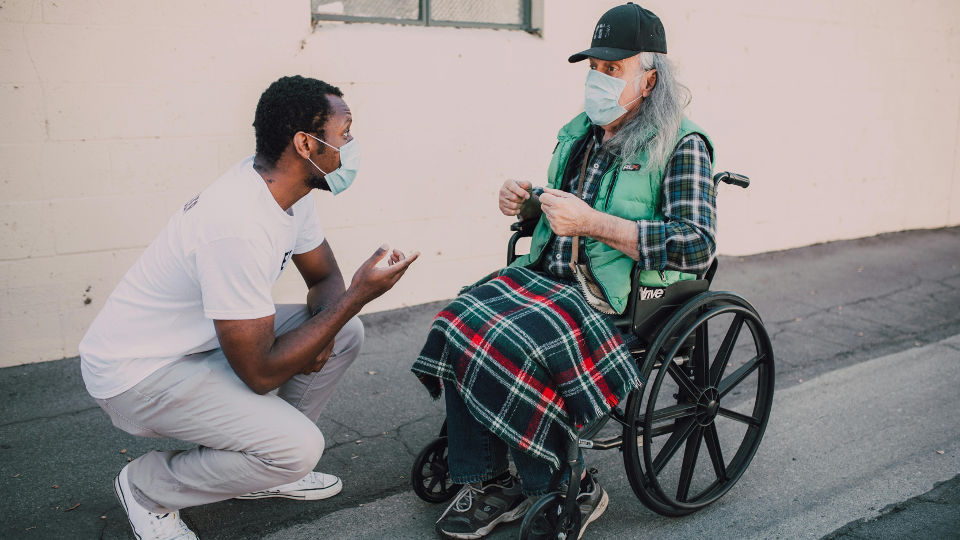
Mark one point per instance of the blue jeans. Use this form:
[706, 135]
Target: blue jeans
[475, 454]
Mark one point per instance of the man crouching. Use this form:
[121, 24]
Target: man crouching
[190, 344]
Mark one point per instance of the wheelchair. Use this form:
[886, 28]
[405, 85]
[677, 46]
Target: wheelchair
[692, 399]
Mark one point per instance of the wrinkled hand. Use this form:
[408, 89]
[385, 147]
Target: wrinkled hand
[568, 215]
[321, 360]
[512, 196]
[369, 282]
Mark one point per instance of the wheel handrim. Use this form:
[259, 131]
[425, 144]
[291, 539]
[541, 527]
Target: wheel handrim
[693, 419]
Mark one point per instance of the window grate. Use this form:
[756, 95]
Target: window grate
[504, 14]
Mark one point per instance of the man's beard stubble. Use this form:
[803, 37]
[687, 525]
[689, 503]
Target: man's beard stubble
[316, 181]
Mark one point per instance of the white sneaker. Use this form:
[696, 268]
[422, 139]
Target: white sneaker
[312, 487]
[145, 524]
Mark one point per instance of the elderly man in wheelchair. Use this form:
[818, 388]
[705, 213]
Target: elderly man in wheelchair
[537, 357]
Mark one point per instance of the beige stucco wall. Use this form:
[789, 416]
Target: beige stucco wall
[113, 113]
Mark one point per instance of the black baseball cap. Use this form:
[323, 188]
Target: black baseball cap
[625, 31]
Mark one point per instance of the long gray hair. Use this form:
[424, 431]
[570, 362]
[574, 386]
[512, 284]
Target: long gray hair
[655, 125]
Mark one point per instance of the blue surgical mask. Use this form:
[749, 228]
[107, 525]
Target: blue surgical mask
[340, 179]
[602, 97]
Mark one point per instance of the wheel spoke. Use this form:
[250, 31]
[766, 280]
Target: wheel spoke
[713, 448]
[723, 355]
[690, 455]
[433, 483]
[701, 357]
[680, 433]
[681, 379]
[739, 375]
[749, 420]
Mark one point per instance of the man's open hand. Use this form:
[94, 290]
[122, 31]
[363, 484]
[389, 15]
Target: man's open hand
[568, 215]
[369, 282]
[512, 196]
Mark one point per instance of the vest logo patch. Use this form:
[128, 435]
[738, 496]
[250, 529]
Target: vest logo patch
[631, 167]
[650, 293]
[191, 203]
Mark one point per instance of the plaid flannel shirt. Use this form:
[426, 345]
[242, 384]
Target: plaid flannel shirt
[556, 262]
[685, 240]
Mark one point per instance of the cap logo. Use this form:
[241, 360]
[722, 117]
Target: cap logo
[602, 31]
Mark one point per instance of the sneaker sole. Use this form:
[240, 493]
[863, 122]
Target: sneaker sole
[512, 515]
[118, 491]
[601, 508]
[312, 495]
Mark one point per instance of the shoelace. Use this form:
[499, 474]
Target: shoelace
[466, 495]
[464, 500]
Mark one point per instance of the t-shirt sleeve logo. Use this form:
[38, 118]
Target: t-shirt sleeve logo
[286, 257]
[191, 204]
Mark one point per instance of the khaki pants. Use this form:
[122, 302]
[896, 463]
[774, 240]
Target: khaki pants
[248, 442]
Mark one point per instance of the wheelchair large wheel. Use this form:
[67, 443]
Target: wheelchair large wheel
[431, 474]
[547, 520]
[694, 399]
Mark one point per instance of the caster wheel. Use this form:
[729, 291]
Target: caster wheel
[431, 475]
[546, 520]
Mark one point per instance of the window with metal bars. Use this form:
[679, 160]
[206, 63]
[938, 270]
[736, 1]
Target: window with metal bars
[505, 14]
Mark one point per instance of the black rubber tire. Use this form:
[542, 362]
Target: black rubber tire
[692, 421]
[546, 519]
[431, 474]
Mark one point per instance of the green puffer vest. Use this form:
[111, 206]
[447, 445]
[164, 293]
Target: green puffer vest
[632, 195]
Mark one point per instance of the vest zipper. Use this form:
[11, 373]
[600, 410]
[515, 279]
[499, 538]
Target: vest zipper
[613, 184]
[606, 205]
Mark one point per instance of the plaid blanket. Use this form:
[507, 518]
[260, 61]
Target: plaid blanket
[531, 359]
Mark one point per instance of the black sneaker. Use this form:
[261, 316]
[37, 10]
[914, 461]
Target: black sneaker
[479, 507]
[592, 499]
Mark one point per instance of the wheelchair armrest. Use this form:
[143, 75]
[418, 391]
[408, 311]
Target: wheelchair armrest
[652, 306]
[731, 178]
[525, 227]
[712, 271]
[521, 229]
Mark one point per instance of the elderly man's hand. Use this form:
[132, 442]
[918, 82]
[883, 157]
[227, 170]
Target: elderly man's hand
[512, 196]
[568, 215]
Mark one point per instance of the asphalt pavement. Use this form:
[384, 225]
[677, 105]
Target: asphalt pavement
[870, 326]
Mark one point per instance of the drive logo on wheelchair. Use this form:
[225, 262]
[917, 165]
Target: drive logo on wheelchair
[650, 293]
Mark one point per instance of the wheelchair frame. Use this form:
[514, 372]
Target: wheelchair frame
[672, 325]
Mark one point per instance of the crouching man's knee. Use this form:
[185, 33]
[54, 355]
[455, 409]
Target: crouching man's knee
[300, 453]
[311, 449]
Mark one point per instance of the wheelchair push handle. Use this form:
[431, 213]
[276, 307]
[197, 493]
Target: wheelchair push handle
[731, 178]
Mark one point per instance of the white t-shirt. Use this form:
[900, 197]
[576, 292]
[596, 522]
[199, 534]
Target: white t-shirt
[217, 258]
